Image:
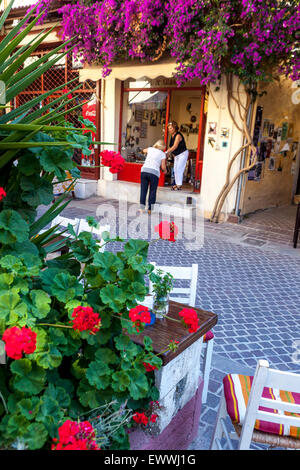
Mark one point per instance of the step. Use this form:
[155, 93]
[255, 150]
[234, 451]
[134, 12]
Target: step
[176, 209]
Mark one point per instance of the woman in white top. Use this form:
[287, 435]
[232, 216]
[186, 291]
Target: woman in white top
[150, 173]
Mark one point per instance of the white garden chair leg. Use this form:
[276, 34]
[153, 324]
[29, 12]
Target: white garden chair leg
[207, 367]
[219, 428]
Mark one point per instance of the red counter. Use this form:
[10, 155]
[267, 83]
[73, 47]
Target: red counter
[132, 172]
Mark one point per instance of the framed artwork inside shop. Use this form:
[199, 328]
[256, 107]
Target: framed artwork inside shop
[145, 109]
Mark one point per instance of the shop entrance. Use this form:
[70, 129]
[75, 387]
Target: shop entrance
[146, 108]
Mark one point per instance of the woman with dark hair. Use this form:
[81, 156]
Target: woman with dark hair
[178, 148]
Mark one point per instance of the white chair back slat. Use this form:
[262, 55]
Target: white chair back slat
[275, 379]
[280, 379]
[181, 273]
[181, 300]
[180, 290]
[280, 405]
[278, 418]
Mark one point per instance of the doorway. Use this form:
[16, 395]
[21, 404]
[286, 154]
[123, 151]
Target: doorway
[145, 110]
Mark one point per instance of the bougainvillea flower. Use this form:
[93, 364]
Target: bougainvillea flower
[75, 436]
[84, 318]
[167, 231]
[2, 193]
[140, 418]
[18, 341]
[190, 319]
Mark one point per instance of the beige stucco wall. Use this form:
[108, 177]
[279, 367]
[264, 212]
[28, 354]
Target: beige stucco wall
[281, 104]
[217, 157]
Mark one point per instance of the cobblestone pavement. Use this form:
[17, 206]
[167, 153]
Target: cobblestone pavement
[254, 289]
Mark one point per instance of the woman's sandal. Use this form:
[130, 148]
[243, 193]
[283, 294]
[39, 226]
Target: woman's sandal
[176, 188]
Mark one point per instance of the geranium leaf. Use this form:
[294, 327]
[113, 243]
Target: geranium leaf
[98, 374]
[113, 296]
[29, 407]
[89, 396]
[108, 265]
[35, 436]
[121, 381]
[29, 378]
[136, 247]
[138, 386]
[12, 308]
[12, 227]
[40, 303]
[66, 287]
[50, 358]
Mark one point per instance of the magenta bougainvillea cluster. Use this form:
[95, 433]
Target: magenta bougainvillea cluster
[251, 38]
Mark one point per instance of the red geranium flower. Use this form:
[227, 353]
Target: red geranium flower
[153, 417]
[2, 193]
[75, 436]
[107, 157]
[190, 319]
[117, 164]
[18, 341]
[112, 159]
[149, 367]
[86, 319]
[69, 96]
[139, 315]
[167, 231]
[140, 418]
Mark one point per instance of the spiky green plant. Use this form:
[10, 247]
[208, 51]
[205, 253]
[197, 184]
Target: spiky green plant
[34, 142]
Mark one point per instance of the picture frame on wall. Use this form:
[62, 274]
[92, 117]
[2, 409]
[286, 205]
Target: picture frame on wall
[153, 118]
[225, 132]
[143, 132]
[284, 130]
[212, 128]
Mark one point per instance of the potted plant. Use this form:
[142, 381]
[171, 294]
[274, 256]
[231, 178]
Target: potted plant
[162, 286]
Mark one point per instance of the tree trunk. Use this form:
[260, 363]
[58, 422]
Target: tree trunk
[243, 111]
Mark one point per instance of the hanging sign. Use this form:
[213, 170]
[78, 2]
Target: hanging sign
[89, 113]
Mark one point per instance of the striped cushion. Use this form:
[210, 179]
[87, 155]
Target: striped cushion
[237, 390]
[208, 336]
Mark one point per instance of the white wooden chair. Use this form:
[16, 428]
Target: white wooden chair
[281, 409]
[188, 296]
[97, 231]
